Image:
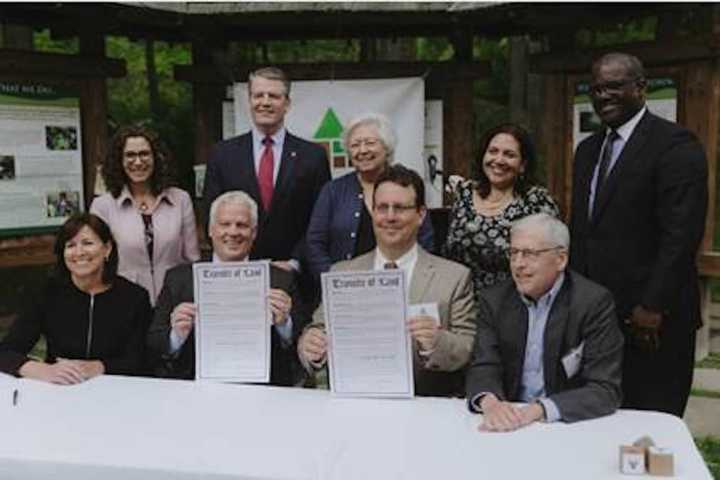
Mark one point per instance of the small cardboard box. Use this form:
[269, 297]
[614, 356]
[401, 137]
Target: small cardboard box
[632, 460]
[660, 462]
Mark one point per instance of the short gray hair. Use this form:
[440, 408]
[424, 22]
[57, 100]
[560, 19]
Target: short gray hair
[382, 125]
[270, 73]
[238, 197]
[553, 229]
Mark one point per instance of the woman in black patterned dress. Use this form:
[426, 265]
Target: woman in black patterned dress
[484, 208]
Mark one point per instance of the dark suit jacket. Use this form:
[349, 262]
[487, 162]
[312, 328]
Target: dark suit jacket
[178, 288]
[304, 169]
[648, 223]
[583, 313]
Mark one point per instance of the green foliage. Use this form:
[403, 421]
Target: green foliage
[710, 449]
[310, 51]
[434, 49]
[43, 43]
[633, 31]
[711, 361]
[129, 98]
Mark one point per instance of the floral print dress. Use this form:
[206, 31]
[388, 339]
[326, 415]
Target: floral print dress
[481, 242]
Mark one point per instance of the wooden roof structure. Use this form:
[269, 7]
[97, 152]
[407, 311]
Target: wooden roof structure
[258, 21]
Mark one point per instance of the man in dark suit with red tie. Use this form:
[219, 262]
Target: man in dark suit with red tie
[638, 214]
[281, 172]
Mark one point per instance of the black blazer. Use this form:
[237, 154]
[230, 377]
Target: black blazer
[178, 288]
[648, 223]
[304, 169]
[583, 313]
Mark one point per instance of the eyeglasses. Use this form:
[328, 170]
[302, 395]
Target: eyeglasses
[368, 142]
[529, 253]
[610, 87]
[385, 208]
[131, 155]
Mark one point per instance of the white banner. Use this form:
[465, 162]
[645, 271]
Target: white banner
[320, 110]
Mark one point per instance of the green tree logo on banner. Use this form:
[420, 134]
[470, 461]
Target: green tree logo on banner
[329, 135]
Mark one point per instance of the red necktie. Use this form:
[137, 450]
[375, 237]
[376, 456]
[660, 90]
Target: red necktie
[265, 174]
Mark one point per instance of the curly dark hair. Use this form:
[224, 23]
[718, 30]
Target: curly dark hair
[163, 175]
[527, 152]
[70, 228]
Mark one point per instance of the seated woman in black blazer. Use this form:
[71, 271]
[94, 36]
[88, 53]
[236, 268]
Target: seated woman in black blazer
[93, 320]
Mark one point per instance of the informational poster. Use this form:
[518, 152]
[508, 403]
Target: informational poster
[321, 109]
[41, 181]
[661, 99]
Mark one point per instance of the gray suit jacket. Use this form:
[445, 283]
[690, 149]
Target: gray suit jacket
[447, 283]
[583, 313]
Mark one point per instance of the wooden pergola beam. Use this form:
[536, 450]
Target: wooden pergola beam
[55, 65]
[437, 71]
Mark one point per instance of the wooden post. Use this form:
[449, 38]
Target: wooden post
[518, 79]
[458, 124]
[16, 37]
[94, 108]
[207, 107]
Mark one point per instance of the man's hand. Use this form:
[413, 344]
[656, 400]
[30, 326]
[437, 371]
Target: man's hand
[182, 319]
[312, 345]
[499, 416]
[280, 305]
[424, 330]
[644, 327]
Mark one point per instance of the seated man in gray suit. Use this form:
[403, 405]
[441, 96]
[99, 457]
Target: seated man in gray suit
[441, 352]
[232, 229]
[548, 337]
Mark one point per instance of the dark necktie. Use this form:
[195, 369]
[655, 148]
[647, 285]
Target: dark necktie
[390, 266]
[602, 174]
[265, 173]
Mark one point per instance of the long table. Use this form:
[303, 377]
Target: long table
[138, 428]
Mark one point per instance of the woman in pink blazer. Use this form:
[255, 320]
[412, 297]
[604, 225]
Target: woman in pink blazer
[152, 221]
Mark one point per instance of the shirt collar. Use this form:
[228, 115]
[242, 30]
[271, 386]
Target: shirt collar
[216, 259]
[548, 297]
[125, 197]
[627, 128]
[278, 137]
[403, 262]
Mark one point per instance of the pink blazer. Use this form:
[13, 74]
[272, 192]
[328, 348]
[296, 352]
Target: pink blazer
[174, 230]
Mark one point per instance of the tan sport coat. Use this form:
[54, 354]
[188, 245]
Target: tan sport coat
[447, 283]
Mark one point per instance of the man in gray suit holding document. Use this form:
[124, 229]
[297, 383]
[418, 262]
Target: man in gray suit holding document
[440, 351]
[548, 337]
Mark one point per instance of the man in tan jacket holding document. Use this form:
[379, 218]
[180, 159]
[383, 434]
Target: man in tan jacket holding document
[441, 350]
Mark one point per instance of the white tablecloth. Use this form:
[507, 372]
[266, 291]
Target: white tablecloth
[135, 428]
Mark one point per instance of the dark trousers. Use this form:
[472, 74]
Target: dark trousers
[660, 380]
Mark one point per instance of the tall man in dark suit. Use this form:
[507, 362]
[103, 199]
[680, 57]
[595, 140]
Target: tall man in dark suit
[233, 229]
[547, 337]
[281, 172]
[638, 214]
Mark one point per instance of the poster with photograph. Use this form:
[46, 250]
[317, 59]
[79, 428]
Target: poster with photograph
[41, 181]
[661, 97]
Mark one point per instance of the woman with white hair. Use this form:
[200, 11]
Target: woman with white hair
[340, 226]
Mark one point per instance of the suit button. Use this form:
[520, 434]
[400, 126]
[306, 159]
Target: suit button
[348, 256]
[357, 214]
[352, 235]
